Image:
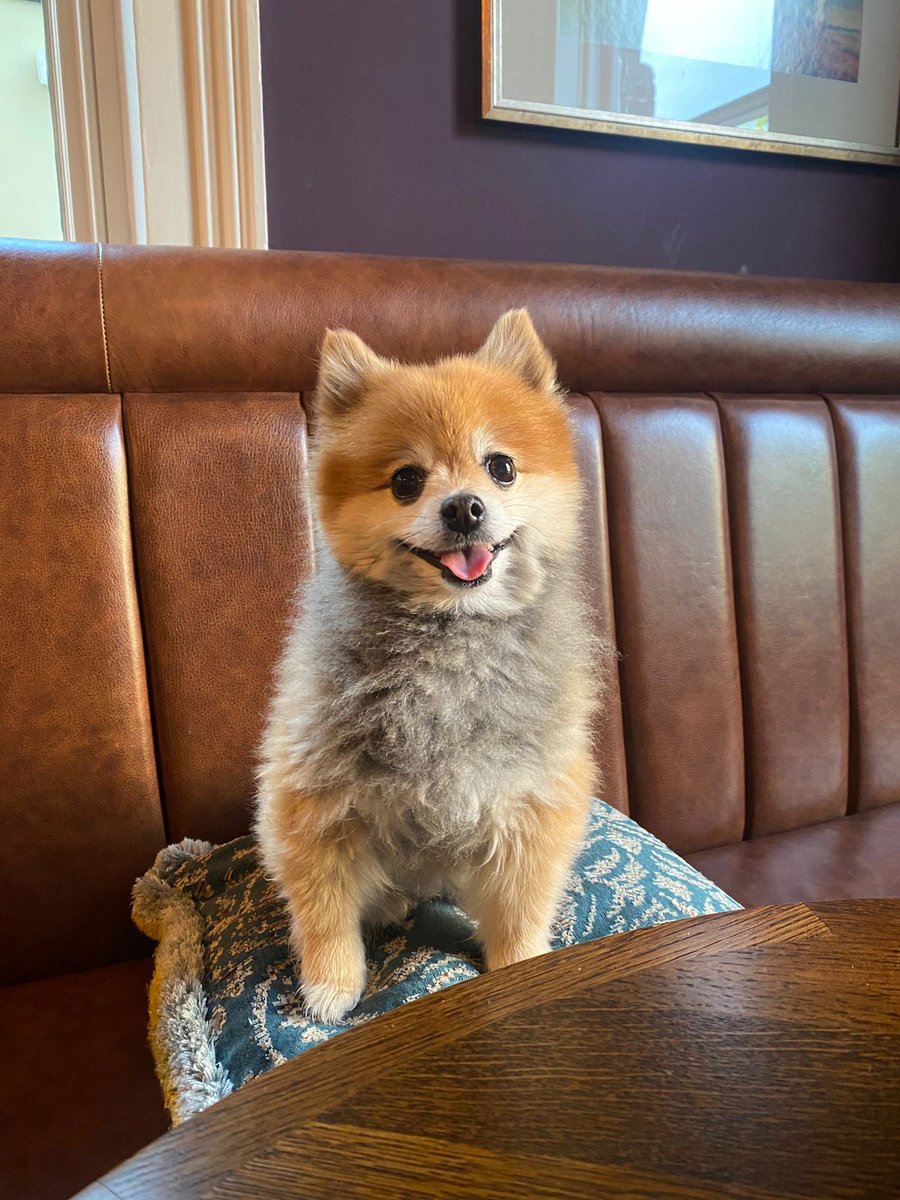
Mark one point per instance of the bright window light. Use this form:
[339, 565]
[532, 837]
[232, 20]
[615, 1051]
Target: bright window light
[736, 32]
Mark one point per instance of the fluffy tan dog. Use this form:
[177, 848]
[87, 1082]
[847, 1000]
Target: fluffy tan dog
[430, 728]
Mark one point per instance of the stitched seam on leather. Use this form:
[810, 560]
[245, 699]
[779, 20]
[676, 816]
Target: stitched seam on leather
[841, 471]
[738, 609]
[103, 316]
[618, 607]
[137, 576]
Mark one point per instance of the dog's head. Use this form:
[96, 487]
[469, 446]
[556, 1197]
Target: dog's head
[454, 484]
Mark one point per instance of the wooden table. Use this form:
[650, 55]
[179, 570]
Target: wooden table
[748, 1054]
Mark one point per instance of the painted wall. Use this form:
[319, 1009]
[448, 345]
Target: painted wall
[374, 143]
[29, 198]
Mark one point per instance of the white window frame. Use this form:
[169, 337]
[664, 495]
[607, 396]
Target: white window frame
[157, 109]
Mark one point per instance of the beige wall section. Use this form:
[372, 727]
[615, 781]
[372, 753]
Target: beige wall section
[29, 195]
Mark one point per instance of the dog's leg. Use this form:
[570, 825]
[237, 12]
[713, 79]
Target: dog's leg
[329, 876]
[514, 896]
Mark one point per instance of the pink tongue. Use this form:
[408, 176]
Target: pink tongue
[470, 563]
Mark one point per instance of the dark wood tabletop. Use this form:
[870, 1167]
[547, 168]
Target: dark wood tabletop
[750, 1054]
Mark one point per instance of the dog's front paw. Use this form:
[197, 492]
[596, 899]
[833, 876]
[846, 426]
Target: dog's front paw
[330, 1002]
[333, 982]
[333, 971]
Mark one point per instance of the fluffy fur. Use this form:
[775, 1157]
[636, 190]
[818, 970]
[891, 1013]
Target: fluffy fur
[430, 735]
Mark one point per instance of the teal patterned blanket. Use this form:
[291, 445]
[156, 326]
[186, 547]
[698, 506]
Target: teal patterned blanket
[225, 1004]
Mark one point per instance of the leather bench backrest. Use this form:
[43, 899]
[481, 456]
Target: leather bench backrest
[740, 444]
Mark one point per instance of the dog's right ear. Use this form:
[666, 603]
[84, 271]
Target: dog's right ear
[346, 366]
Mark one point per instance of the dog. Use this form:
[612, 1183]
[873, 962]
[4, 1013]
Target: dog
[429, 731]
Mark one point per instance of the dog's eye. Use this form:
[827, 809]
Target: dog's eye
[501, 468]
[407, 483]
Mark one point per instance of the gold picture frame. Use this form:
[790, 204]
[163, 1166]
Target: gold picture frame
[498, 107]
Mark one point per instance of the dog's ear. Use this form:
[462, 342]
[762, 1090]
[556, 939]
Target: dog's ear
[514, 344]
[346, 365]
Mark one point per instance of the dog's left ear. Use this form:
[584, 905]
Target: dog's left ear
[514, 344]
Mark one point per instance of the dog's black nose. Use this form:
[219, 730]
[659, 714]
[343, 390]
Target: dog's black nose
[462, 513]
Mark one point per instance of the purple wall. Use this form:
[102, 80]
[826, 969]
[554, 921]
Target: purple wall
[374, 143]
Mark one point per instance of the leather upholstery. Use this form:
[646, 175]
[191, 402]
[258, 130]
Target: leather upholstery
[79, 1092]
[740, 542]
[868, 438]
[597, 580]
[182, 320]
[792, 625]
[78, 796]
[675, 623]
[739, 440]
[837, 860]
[222, 536]
[51, 327]
[254, 321]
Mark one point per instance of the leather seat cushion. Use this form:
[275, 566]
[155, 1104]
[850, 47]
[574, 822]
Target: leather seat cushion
[853, 857]
[80, 1094]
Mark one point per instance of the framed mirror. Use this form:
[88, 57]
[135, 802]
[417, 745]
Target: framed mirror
[810, 77]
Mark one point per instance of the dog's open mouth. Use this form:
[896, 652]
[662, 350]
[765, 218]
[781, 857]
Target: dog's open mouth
[464, 566]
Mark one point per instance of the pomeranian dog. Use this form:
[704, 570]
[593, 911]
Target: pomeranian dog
[430, 728]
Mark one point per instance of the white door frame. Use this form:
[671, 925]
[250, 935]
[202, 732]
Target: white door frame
[157, 109]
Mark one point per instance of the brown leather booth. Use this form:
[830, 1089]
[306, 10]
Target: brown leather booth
[740, 440]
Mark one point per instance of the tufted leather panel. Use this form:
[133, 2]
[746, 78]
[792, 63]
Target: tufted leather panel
[80, 810]
[742, 548]
[222, 536]
[609, 744]
[669, 539]
[792, 627]
[213, 320]
[751, 608]
[868, 438]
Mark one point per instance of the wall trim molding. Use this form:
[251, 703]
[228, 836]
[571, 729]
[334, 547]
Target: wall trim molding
[158, 119]
[75, 120]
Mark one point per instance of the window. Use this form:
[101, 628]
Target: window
[29, 192]
[135, 122]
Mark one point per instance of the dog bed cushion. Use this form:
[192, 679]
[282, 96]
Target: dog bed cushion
[225, 1003]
